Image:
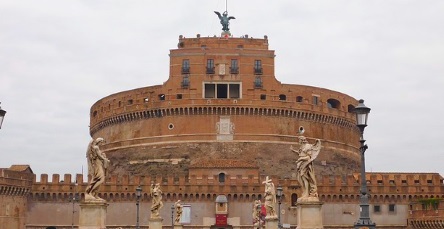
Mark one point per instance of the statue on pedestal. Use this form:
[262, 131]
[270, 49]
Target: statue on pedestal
[257, 207]
[305, 170]
[224, 20]
[178, 208]
[270, 199]
[97, 167]
[156, 203]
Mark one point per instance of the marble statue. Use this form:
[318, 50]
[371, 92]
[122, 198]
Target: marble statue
[305, 170]
[270, 199]
[257, 207]
[97, 167]
[224, 20]
[178, 208]
[156, 202]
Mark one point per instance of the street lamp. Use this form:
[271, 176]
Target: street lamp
[2, 116]
[364, 221]
[172, 216]
[138, 195]
[279, 195]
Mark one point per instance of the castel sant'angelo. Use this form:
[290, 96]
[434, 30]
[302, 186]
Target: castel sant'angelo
[217, 127]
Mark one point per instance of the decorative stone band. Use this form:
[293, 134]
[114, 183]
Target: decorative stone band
[218, 110]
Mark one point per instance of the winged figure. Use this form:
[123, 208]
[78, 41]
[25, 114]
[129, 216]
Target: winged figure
[307, 154]
[224, 20]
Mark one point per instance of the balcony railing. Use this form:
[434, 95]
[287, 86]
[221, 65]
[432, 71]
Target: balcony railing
[234, 70]
[258, 71]
[210, 70]
[185, 70]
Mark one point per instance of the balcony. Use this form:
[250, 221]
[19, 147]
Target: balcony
[210, 70]
[185, 70]
[234, 70]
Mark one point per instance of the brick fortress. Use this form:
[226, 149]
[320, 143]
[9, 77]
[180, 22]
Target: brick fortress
[218, 126]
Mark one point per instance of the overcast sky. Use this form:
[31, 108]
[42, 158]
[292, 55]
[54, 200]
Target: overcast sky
[59, 57]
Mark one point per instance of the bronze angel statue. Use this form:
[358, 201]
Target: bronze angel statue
[305, 170]
[224, 20]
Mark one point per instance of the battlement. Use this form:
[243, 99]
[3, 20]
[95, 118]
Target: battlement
[243, 42]
[331, 188]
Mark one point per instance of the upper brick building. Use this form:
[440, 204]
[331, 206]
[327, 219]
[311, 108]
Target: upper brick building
[222, 100]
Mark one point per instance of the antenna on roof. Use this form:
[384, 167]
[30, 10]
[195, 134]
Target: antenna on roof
[226, 5]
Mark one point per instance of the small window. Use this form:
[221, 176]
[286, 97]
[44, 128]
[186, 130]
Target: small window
[416, 181]
[130, 102]
[403, 181]
[392, 182]
[282, 97]
[429, 182]
[376, 208]
[299, 99]
[315, 100]
[294, 199]
[162, 97]
[391, 208]
[379, 182]
[94, 113]
[258, 67]
[258, 82]
[351, 108]
[179, 96]
[263, 97]
[210, 66]
[221, 177]
[234, 68]
[185, 66]
[120, 103]
[185, 81]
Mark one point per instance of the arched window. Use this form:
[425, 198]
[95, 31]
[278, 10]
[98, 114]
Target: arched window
[282, 97]
[221, 177]
[299, 99]
[333, 103]
[294, 199]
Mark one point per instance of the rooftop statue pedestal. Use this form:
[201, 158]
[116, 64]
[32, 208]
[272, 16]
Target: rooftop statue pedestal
[92, 215]
[155, 223]
[309, 214]
[178, 226]
[271, 223]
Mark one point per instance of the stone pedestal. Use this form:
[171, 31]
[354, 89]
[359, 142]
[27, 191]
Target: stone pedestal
[92, 215]
[309, 215]
[178, 226]
[155, 223]
[271, 223]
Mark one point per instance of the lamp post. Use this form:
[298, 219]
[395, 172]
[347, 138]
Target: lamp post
[279, 195]
[364, 221]
[138, 195]
[2, 116]
[172, 216]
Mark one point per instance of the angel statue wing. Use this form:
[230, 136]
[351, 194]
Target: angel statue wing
[218, 14]
[231, 17]
[89, 159]
[315, 149]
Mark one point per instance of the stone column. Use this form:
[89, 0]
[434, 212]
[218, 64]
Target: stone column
[155, 223]
[92, 215]
[309, 215]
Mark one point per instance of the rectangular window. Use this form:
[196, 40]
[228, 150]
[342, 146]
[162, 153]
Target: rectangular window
[258, 67]
[185, 66]
[377, 209]
[222, 90]
[234, 91]
[234, 68]
[315, 100]
[210, 91]
[391, 208]
[210, 66]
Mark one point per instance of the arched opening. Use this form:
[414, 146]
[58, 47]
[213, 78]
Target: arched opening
[350, 108]
[282, 97]
[333, 103]
[294, 199]
[299, 99]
